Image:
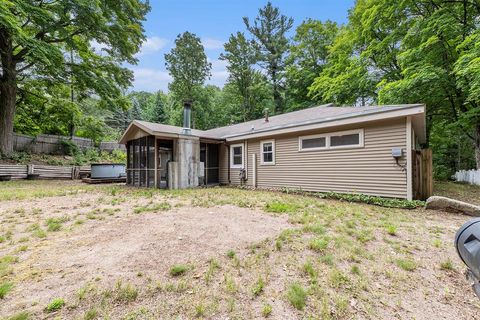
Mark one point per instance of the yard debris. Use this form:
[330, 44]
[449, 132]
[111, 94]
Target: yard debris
[452, 205]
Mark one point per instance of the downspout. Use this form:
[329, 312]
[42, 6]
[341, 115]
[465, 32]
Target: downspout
[228, 155]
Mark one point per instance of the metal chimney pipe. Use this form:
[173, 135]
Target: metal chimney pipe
[187, 115]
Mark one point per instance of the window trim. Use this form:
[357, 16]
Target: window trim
[328, 146]
[262, 162]
[237, 166]
[313, 136]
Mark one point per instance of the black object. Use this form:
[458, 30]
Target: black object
[33, 176]
[5, 177]
[467, 242]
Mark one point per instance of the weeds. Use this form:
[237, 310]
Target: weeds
[318, 244]
[55, 305]
[267, 310]
[258, 287]
[406, 264]
[125, 293]
[447, 265]
[5, 288]
[178, 270]
[297, 296]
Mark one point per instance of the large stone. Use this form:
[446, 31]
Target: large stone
[452, 205]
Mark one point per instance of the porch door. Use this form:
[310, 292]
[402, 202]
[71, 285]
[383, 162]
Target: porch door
[209, 157]
[165, 155]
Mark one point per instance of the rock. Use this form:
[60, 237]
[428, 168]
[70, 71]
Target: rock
[452, 205]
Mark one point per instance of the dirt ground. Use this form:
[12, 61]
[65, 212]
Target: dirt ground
[108, 252]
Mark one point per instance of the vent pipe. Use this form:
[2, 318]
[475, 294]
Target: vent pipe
[187, 115]
[265, 111]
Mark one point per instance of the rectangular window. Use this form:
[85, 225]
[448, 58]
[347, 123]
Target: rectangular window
[334, 140]
[267, 151]
[314, 143]
[236, 156]
[352, 139]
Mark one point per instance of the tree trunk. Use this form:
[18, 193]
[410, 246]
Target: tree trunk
[477, 145]
[8, 93]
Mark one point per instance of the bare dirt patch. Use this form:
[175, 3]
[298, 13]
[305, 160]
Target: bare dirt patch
[146, 243]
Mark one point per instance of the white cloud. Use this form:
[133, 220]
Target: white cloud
[152, 45]
[150, 79]
[212, 44]
[219, 72]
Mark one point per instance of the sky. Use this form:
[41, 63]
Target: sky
[212, 21]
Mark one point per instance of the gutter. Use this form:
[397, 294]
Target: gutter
[327, 120]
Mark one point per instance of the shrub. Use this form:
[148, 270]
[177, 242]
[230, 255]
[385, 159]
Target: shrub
[55, 305]
[297, 296]
[178, 270]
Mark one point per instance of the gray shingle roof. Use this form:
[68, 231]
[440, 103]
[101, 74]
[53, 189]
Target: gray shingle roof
[323, 113]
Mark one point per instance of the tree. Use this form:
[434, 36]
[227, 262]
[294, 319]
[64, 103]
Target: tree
[241, 56]
[187, 64]
[308, 56]
[37, 39]
[412, 52]
[269, 30]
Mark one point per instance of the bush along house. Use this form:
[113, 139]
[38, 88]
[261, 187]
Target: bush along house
[372, 150]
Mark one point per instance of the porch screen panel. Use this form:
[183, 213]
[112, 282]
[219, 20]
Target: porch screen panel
[141, 162]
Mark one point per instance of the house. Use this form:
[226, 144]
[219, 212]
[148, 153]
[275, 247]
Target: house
[371, 150]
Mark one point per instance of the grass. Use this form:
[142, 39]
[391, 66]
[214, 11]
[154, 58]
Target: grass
[5, 288]
[297, 295]
[19, 316]
[55, 305]
[391, 229]
[447, 265]
[125, 292]
[318, 244]
[258, 287]
[178, 270]
[267, 310]
[328, 259]
[406, 264]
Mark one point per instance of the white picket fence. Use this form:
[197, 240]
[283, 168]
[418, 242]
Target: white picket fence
[469, 176]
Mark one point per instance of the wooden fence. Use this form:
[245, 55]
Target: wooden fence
[422, 174]
[52, 144]
[469, 176]
[44, 172]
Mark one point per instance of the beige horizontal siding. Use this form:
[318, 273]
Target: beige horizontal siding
[368, 170]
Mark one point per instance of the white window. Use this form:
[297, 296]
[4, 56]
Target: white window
[236, 156]
[267, 152]
[334, 140]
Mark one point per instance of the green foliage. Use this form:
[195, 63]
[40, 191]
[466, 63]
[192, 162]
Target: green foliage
[383, 202]
[46, 48]
[297, 295]
[187, 64]
[55, 305]
[178, 270]
[308, 56]
[258, 287]
[267, 310]
[19, 316]
[269, 30]
[406, 264]
[5, 288]
[280, 207]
